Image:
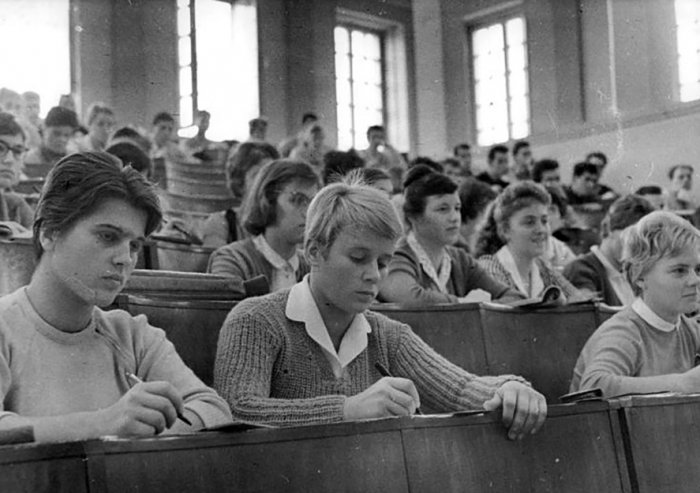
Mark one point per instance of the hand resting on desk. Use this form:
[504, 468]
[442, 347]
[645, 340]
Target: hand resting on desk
[524, 409]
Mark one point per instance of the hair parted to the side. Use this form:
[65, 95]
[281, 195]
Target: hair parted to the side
[79, 182]
[657, 235]
[349, 205]
[514, 198]
[9, 126]
[421, 183]
[260, 206]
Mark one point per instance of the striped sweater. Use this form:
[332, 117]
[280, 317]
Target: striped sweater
[270, 371]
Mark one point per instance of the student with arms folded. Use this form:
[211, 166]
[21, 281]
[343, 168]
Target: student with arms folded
[308, 354]
[64, 362]
[650, 346]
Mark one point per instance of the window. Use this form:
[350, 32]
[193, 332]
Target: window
[34, 42]
[359, 81]
[218, 65]
[688, 43]
[501, 94]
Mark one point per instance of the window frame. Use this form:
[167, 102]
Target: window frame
[352, 26]
[479, 22]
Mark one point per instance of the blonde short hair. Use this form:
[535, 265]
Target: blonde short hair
[659, 234]
[349, 205]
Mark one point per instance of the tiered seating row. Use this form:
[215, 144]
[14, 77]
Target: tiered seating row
[641, 444]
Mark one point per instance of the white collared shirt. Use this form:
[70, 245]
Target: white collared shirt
[301, 307]
[505, 256]
[622, 288]
[648, 315]
[284, 272]
[442, 275]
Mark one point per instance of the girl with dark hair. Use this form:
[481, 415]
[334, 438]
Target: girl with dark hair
[426, 267]
[274, 214]
[66, 366]
[514, 238]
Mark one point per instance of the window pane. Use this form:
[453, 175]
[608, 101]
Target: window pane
[184, 51]
[360, 100]
[227, 66]
[515, 31]
[34, 42]
[184, 28]
[688, 47]
[185, 81]
[186, 111]
[501, 95]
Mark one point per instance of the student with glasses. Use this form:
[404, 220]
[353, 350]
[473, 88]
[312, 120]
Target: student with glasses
[12, 138]
[274, 213]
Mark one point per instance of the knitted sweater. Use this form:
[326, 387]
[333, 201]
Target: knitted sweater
[465, 276]
[269, 369]
[550, 277]
[627, 346]
[48, 372]
[243, 260]
[587, 272]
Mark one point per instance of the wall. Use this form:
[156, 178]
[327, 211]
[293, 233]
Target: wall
[602, 77]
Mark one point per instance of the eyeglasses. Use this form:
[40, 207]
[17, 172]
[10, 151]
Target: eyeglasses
[299, 200]
[17, 151]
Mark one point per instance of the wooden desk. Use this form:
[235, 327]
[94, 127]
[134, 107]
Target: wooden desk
[662, 434]
[578, 450]
[541, 345]
[192, 326]
[453, 330]
[43, 468]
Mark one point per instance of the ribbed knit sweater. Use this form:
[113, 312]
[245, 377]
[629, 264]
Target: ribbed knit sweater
[270, 371]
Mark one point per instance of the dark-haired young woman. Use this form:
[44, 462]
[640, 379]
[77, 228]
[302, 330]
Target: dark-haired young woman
[426, 267]
[64, 362]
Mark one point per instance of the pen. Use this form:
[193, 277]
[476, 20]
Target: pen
[133, 379]
[384, 371]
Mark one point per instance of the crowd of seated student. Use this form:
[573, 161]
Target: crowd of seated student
[311, 147]
[311, 354]
[274, 214]
[100, 123]
[426, 267]
[651, 345]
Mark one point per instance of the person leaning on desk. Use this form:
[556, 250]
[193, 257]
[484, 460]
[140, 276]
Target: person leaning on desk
[313, 353]
[67, 368]
[650, 346]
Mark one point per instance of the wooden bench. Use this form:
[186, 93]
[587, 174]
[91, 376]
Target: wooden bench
[541, 345]
[192, 326]
[453, 330]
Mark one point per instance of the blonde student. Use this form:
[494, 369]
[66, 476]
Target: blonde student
[309, 354]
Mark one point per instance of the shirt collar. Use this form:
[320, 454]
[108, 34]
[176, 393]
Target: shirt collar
[439, 278]
[505, 256]
[273, 257]
[301, 307]
[648, 315]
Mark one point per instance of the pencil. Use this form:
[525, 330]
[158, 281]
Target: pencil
[133, 379]
[384, 371]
